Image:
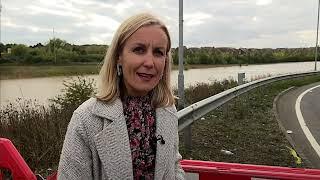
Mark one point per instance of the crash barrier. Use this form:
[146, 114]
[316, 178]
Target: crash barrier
[199, 109]
[195, 111]
[206, 170]
[11, 159]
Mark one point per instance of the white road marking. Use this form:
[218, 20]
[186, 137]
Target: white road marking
[303, 124]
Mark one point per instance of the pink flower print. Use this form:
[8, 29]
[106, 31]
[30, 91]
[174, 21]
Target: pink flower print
[138, 173]
[150, 120]
[146, 145]
[142, 164]
[134, 143]
[143, 130]
[137, 124]
[136, 115]
[135, 154]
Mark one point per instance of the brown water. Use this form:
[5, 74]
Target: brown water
[44, 88]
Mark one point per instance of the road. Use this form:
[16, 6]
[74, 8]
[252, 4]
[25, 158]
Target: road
[299, 111]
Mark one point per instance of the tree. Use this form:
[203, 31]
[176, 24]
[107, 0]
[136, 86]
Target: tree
[39, 45]
[57, 43]
[19, 50]
[2, 48]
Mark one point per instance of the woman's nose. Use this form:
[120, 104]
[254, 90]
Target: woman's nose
[149, 59]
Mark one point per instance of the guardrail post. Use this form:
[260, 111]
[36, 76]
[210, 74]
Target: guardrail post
[187, 135]
[241, 77]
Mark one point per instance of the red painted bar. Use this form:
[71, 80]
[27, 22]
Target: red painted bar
[227, 171]
[11, 159]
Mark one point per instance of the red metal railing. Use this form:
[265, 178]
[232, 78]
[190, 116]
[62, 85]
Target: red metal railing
[230, 171]
[11, 159]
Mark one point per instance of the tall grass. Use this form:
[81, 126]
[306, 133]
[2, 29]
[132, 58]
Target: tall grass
[201, 91]
[38, 131]
[247, 127]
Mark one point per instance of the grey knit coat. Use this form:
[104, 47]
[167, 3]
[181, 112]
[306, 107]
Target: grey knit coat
[97, 146]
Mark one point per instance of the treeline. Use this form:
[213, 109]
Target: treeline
[58, 51]
[212, 55]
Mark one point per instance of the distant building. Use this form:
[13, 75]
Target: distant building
[9, 50]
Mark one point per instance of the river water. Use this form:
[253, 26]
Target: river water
[44, 88]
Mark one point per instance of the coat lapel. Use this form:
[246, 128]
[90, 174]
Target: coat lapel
[113, 142]
[161, 123]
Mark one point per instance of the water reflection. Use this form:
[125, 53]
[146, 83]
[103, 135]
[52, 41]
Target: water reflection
[44, 88]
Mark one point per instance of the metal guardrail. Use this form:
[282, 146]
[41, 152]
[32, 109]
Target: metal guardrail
[195, 111]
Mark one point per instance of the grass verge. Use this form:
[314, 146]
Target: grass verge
[18, 72]
[247, 127]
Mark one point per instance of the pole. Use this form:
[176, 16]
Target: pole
[54, 48]
[187, 131]
[0, 26]
[316, 55]
[180, 75]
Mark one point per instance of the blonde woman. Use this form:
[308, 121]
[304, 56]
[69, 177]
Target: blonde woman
[130, 129]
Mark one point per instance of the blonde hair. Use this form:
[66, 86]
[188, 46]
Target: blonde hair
[109, 88]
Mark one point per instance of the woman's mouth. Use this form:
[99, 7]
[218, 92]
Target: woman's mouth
[145, 76]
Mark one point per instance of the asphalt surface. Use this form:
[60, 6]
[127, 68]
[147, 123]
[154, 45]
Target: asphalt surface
[310, 110]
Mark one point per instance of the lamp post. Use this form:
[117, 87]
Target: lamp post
[0, 25]
[180, 75]
[187, 131]
[316, 55]
[54, 47]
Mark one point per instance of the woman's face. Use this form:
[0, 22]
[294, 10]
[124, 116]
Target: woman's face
[143, 59]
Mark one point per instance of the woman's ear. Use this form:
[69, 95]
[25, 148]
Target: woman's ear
[119, 59]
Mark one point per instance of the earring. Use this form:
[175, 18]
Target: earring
[119, 70]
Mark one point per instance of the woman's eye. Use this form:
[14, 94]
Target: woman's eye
[159, 53]
[138, 50]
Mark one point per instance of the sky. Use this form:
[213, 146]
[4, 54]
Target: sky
[218, 23]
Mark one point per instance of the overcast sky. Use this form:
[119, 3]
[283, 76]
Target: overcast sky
[219, 23]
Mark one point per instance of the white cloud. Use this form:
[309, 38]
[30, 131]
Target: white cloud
[36, 10]
[101, 39]
[122, 6]
[254, 18]
[240, 2]
[148, 4]
[263, 2]
[95, 20]
[236, 23]
[83, 2]
[195, 19]
[286, 40]
[9, 24]
[307, 36]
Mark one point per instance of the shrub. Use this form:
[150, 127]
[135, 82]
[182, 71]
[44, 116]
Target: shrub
[36, 131]
[75, 93]
[19, 50]
[200, 91]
